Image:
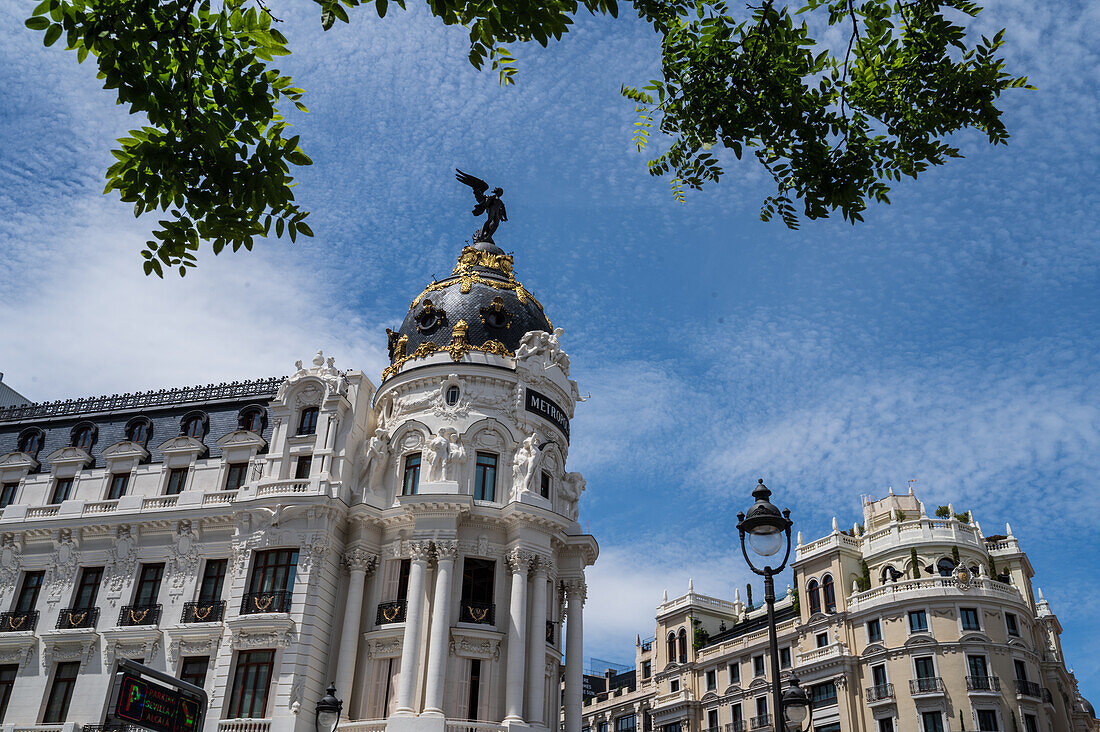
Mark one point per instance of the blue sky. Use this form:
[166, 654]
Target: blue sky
[951, 339]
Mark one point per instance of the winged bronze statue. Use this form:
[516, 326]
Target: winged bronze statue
[490, 205]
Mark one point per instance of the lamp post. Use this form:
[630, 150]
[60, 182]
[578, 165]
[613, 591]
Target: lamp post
[328, 710]
[796, 704]
[766, 527]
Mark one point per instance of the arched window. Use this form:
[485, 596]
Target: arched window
[194, 425]
[84, 436]
[139, 431]
[307, 422]
[945, 567]
[252, 419]
[31, 441]
[828, 594]
[683, 638]
[452, 395]
[671, 647]
[815, 599]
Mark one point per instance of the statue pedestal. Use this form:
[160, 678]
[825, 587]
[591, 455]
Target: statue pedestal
[438, 488]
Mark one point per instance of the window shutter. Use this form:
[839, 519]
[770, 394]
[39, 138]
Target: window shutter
[462, 691]
[395, 672]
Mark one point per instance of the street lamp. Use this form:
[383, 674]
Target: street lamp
[328, 711]
[796, 704]
[767, 527]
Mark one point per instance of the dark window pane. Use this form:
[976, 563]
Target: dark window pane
[61, 692]
[117, 487]
[477, 580]
[149, 584]
[250, 684]
[7, 494]
[410, 483]
[7, 681]
[307, 422]
[193, 670]
[28, 592]
[302, 467]
[213, 577]
[274, 571]
[177, 478]
[485, 477]
[88, 588]
[61, 490]
[235, 476]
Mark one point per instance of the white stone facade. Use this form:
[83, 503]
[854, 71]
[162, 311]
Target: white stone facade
[419, 597]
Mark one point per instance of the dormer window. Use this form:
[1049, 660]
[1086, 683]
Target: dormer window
[307, 421]
[251, 419]
[139, 431]
[84, 437]
[30, 442]
[194, 425]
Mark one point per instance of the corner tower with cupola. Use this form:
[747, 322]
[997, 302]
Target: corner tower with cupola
[464, 498]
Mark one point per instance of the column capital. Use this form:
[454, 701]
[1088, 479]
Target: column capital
[446, 550]
[543, 565]
[575, 589]
[519, 560]
[420, 551]
[358, 559]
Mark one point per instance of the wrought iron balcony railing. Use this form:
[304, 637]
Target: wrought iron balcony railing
[1028, 688]
[762, 721]
[14, 622]
[78, 617]
[390, 612]
[266, 602]
[139, 615]
[203, 612]
[477, 612]
[983, 683]
[738, 726]
[926, 685]
[880, 692]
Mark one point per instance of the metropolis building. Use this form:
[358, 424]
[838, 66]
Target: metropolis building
[908, 622]
[417, 542]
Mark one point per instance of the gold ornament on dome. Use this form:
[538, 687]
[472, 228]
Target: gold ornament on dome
[457, 348]
[471, 258]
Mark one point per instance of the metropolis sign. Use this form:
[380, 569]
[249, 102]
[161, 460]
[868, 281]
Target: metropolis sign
[547, 409]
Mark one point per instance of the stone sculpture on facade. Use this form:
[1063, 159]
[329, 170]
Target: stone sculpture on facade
[572, 485]
[456, 457]
[436, 456]
[525, 465]
[542, 349]
[376, 459]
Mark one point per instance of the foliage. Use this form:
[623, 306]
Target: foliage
[863, 582]
[794, 600]
[748, 595]
[943, 512]
[964, 517]
[916, 562]
[834, 127]
[899, 515]
[700, 635]
[955, 556]
[992, 569]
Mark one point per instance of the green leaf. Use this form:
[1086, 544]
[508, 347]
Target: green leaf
[37, 23]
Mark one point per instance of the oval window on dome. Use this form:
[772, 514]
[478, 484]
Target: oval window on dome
[452, 395]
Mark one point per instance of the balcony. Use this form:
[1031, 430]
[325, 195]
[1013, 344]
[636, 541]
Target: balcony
[74, 617]
[551, 631]
[760, 722]
[244, 725]
[926, 685]
[15, 622]
[1028, 688]
[983, 683]
[880, 693]
[390, 612]
[266, 602]
[1047, 696]
[203, 612]
[131, 615]
[738, 726]
[483, 613]
[980, 588]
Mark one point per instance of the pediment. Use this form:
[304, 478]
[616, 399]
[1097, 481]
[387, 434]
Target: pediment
[974, 637]
[18, 460]
[921, 640]
[709, 696]
[731, 689]
[125, 449]
[758, 682]
[873, 649]
[69, 456]
[182, 445]
[241, 438]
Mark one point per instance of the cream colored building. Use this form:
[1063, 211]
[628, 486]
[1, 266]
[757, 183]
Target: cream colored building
[957, 640]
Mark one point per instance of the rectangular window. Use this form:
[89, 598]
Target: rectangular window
[410, 482]
[1020, 668]
[987, 721]
[601, 727]
[874, 631]
[307, 423]
[1031, 724]
[473, 700]
[977, 669]
[177, 477]
[477, 590]
[28, 591]
[785, 657]
[736, 714]
[712, 682]
[404, 566]
[274, 571]
[87, 588]
[235, 475]
[626, 723]
[918, 621]
[757, 665]
[117, 487]
[193, 670]
[674, 686]
[932, 722]
[761, 706]
[302, 466]
[924, 667]
[878, 675]
[969, 617]
[61, 692]
[7, 681]
[251, 681]
[485, 477]
[735, 673]
[647, 669]
[213, 577]
[148, 587]
[545, 487]
[7, 494]
[61, 490]
[822, 640]
[1011, 624]
[823, 695]
[886, 724]
[712, 719]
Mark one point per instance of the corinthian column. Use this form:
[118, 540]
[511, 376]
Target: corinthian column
[414, 622]
[575, 592]
[360, 564]
[445, 553]
[536, 650]
[518, 561]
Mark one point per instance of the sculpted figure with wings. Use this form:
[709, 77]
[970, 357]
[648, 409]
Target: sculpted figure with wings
[490, 205]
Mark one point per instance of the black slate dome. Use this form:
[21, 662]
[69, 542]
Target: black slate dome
[480, 307]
